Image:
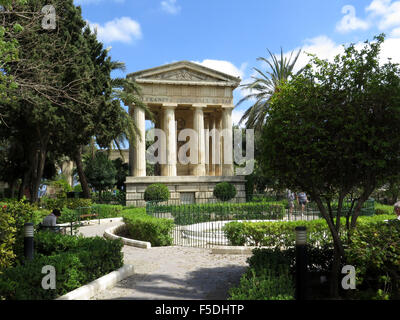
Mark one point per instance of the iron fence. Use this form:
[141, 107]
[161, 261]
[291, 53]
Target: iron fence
[201, 225]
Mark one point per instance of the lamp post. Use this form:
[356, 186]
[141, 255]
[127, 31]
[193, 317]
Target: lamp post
[28, 241]
[301, 263]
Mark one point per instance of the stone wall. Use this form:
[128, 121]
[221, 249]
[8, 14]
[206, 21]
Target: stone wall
[201, 187]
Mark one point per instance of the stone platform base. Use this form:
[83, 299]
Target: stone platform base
[183, 189]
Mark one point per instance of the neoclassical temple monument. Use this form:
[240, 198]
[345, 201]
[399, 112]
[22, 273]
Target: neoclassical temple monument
[185, 95]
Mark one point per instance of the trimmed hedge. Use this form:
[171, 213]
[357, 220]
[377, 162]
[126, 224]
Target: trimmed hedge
[77, 261]
[141, 226]
[282, 233]
[59, 203]
[107, 211]
[196, 213]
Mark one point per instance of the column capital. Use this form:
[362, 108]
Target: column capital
[199, 105]
[169, 105]
[227, 107]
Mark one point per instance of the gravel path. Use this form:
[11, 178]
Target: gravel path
[173, 273]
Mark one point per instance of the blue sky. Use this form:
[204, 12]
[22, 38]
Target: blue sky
[230, 35]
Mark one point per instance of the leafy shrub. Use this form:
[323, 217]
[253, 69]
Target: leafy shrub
[196, 213]
[78, 188]
[276, 234]
[107, 210]
[156, 192]
[110, 197]
[282, 233]
[224, 191]
[59, 203]
[23, 282]
[7, 238]
[21, 213]
[383, 209]
[77, 261]
[141, 226]
[269, 277]
[375, 252]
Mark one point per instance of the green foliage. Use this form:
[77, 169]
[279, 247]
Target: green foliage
[156, 192]
[7, 238]
[60, 203]
[100, 172]
[122, 172]
[196, 213]
[224, 191]
[77, 261]
[23, 282]
[265, 84]
[383, 209]
[107, 211]
[375, 252]
[281, 234]
[141, 226]
[109, 197]
[77, 188]
[63, 186]
[268, 277]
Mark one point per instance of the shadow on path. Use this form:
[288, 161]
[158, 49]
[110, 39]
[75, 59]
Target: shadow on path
[203, 284]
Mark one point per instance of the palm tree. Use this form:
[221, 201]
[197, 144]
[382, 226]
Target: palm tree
[129, 92]
[264, 86]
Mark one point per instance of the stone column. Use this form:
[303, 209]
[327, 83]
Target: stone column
[212, 147]
[218, 146]
[198, 126]
[227, 167]
[139, 155]
[169, 127]
[207, 144]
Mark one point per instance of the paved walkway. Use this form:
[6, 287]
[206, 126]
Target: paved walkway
[173, 273]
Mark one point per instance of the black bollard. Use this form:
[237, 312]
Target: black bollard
[301, 263]
[28, 241]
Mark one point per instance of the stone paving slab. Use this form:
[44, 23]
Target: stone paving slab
[177, 273]
[173, 273]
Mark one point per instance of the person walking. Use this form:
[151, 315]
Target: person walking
[291, 196]
[302, 199]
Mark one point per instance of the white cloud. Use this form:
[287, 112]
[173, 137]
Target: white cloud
[170, 6]
[237, 115]
[395, 33]
[350, 22]
[224, 66]
[386, 11]
[122, 29]
[326, 48]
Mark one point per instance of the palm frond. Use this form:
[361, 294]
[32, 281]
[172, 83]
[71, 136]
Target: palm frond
[264, 85]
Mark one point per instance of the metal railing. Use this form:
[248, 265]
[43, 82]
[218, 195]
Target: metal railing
[201, 225]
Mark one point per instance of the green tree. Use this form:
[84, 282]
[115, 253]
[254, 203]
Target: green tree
[264, 85]
[335, 128]
[100, 172]
[122, 171]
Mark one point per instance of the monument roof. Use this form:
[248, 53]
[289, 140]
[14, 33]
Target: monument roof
[185, 73]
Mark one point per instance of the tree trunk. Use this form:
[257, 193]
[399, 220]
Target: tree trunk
[334, 283]
[39, 160]
[364, 197]
[82, 177]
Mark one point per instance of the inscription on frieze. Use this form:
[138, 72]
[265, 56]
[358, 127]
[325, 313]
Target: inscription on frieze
[188, 100]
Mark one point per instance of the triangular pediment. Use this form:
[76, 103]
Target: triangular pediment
[185, 72]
